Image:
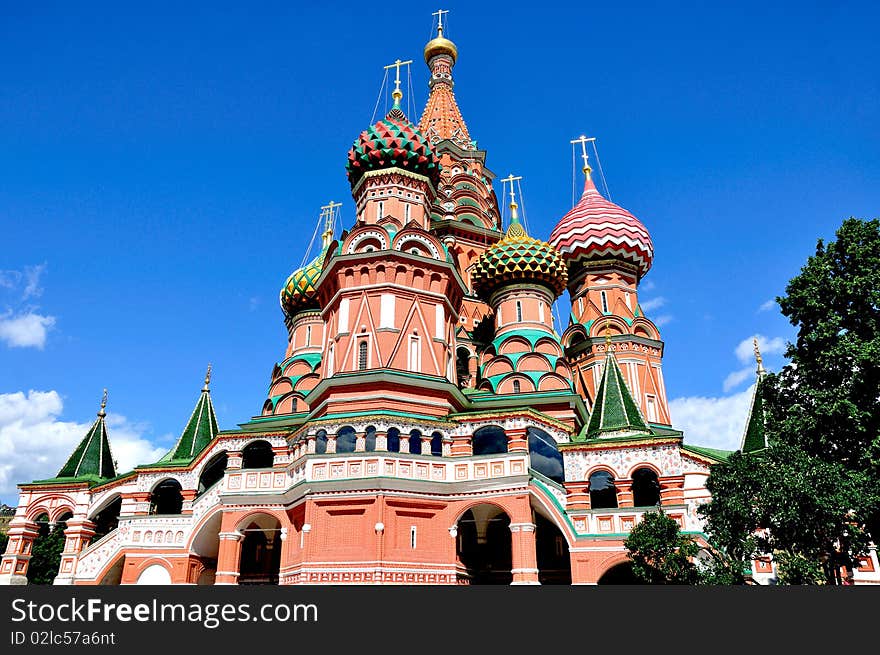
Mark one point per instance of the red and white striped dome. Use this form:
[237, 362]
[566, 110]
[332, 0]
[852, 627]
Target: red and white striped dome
[596, 228]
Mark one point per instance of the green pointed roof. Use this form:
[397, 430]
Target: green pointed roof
[92, 457]
[614, 411]
[754, 436]
[200, 430]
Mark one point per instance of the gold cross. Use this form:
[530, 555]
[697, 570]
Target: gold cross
[397, 94]
[329, 216]
[510, 178]
[583, 140]
[439, 14]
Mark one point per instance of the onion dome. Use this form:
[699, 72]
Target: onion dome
[440, 46]
[393, 142]
[300, 292]
[597, 229]
[519, 258]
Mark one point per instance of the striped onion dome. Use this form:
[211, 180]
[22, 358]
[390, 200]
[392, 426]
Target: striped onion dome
[597, 229]
[300, 292]
[519, 258]
[393, 142]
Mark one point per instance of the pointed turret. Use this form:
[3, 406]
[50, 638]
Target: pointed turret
[442, 118]
[615, 413]
[754, 436]
[200, 430]
[92, 457]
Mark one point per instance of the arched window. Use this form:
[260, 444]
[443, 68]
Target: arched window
[462, 365]
[516, 386]
[166, 498]
[393, 440]
[212, 473]
[362, 355]
[331, 365]
[415, 442]
[518, 311]
[308, 335]
[370, 438]
[346, 440]
[490, 440]
[107, 519]
[437, 444]
[544, 455]
[604, 302]
[603, 494]
[257, 455]
[645, 488]
[321, 442]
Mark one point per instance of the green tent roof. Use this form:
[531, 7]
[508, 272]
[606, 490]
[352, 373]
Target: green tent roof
[754, 437]
[199, 431]
[614, 410]
[92, 457]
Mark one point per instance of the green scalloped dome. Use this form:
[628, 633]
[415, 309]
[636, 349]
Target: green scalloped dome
[392, 142]
[519, 258]
[300, 292]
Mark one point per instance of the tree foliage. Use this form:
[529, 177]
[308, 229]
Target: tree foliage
[660, 553]
[814, 492]
[46, 555]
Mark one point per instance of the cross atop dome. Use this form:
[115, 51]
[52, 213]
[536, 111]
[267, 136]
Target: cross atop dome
[584, 140]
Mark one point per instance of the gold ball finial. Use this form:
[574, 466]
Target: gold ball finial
[207, 386]
[607, 335]
[101, 412]
[758, 358]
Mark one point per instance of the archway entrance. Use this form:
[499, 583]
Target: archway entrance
[46, 549]
[620, 574]
[260, 551]
[107, 519]
[484, 545]
[206, 545]
[551, 548]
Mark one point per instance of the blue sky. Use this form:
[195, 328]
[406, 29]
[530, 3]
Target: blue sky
[162, 166]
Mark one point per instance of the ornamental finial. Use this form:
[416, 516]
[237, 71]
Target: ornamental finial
[101, 412]
[607, 335]
[758, 358]
[583, 140]
[207, 386]
[439, 14]
[397, 94]
[328, 213]
[514, 217]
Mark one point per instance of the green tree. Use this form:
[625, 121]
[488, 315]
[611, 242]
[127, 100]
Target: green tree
[660, 553]
[46, 554]
[814, 491]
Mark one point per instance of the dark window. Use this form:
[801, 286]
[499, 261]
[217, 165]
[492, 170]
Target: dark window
[415, 442]
[544, 455]
[603, 494]
[646, 488]
[393, 440]
[346, 440]
[362, 355]
[437, 444]
[212, 473]
[518, 311]
[516, 386]
[257, 455]
[321, 442]
[490, 441]
[370, 440]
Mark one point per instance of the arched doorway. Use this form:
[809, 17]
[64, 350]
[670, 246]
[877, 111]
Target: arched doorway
[155, 574]
[551, 549]
[484, 546]
[46, 549]
[167, 498]
[260, 551]
[257, 455]
[620, 574]
[107, 519]
[212, 473]
[206, 545]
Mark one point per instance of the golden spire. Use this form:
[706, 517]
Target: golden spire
[328, 213]
[515, 229]
[583, 140]
[440, 45]
[758, 358]
[101, 412]
[397, 94]
[607, 335]
[207, 386]
[439, 14]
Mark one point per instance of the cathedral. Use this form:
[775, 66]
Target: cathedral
[427, 421]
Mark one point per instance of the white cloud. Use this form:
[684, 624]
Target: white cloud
[660, 321]
[35, 444]
[737, 378]
[29, 279]
[25, 330]
[653, 303]
[716, 422]
[767, 306]
[745, 351]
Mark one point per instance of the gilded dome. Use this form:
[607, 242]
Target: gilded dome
[300, 292]
[440, 46]
[519, 258]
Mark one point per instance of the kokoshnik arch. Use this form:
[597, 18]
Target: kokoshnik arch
[427, 424]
